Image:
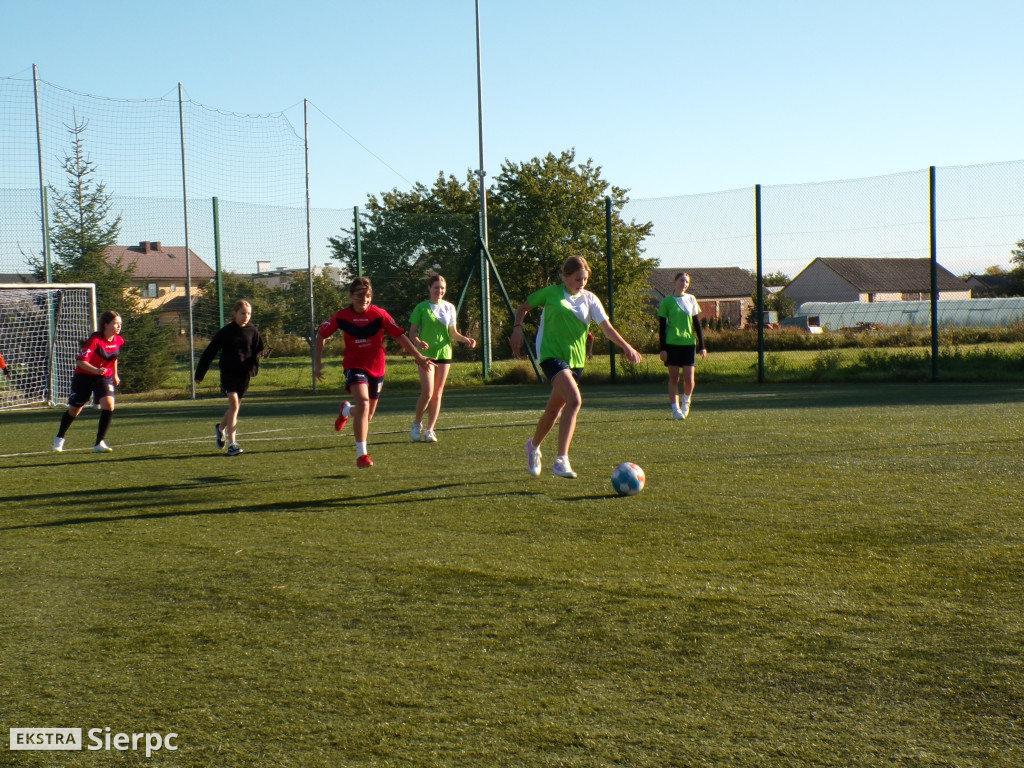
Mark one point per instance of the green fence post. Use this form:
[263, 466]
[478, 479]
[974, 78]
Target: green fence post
[935, 273]
[359, 243]
[759, 303]
[611, 280]
[217, 262]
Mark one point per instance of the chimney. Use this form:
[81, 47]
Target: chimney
[144, 245]
[156, 246]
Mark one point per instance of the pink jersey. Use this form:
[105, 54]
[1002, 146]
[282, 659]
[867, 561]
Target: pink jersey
[99, 352]
[364, 337]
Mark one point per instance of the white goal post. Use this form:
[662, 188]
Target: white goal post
[42, 326]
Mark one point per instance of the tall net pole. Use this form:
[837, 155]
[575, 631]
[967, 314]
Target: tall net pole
[485, 283]
[309, 249]
[188, 260]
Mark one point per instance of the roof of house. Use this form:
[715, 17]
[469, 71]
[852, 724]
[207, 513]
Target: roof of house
[154, 262]
[706, 282]
[882, 275]
[1006, 281]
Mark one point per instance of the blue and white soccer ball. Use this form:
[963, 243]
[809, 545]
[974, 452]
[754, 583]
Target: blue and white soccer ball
[628, 479]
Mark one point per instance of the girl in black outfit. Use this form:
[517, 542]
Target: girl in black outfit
[240, 346]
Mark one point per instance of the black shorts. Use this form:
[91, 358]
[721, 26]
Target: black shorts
[684, 356]
[374, 384]
[234, 381]
[87, 385]
[552, 366]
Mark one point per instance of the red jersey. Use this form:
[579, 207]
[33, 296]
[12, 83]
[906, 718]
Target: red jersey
[99, 352]
[364, 337]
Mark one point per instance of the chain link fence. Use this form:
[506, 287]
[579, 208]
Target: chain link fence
[164, 161]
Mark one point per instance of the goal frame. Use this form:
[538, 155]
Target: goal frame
[53, 386]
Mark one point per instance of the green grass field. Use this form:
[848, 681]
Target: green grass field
[816, 575]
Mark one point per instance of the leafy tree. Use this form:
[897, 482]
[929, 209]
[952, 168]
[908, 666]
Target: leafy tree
[1017, 255]
[80, 233]
[407, 235]
[539, 213]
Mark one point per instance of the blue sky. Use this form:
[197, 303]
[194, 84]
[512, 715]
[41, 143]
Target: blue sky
[670, 97]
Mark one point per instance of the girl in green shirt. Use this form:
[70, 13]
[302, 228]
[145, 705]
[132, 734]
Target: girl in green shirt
[432, 329]
[561, 349]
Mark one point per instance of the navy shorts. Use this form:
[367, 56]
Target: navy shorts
[552, 366]
[374, 384]
[232, 381]
[86, 386]
[684, 356]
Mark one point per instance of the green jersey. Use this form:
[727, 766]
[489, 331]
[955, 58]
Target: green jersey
[680, 312]
[434, 322]
[562, 332]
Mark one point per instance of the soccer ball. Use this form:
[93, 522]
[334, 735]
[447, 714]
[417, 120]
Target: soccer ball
[628, 479]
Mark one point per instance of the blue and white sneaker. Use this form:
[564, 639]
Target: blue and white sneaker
[220, 436]
[234, 449]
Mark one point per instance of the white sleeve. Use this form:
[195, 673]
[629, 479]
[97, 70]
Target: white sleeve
[596, 311]
[450, 314]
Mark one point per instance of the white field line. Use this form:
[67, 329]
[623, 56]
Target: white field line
[493, 416]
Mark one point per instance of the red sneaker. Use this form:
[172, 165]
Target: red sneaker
[364, 461]
[339, 423]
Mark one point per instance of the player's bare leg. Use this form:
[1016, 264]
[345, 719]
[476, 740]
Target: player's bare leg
[229, 423]
[440, 375]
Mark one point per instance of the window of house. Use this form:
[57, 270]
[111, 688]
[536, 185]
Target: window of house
[151, 291]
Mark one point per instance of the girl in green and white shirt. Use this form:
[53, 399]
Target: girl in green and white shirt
[681, 339]
[432, 329]
[561, 349]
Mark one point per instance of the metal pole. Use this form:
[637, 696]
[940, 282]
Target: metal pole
[216, 255]
[44, 213]
[358, 232]
[485, 306]
[485, 287]
[611, 278]
[934, 273]
[309, 252]
[188, 260]
[759, 304]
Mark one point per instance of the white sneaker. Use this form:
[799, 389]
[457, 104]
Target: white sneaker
[416, 432]
[429, 436]
[678, 414]
[533, 458]
[562, 468]
[101, 447]
[58, 444]
[686, 409]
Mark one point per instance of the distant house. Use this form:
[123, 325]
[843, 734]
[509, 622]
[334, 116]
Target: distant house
[159, 276]
[724, 293]
[986, 286]
[869, 280]
[282, 277]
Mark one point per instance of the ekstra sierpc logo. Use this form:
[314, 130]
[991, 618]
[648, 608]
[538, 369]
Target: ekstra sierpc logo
[96, 739]
[46, 738]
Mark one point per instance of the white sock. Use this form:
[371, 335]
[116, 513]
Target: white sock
[564, 458]
[347, 410]
[686, 399]
[361, 448]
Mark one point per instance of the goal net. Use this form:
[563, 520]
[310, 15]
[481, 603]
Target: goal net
[41, 330]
